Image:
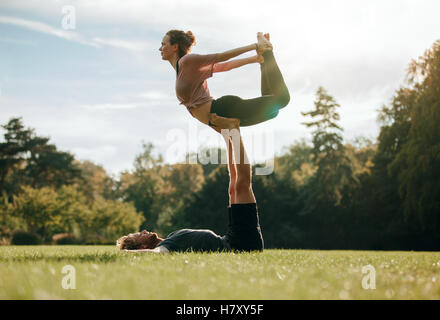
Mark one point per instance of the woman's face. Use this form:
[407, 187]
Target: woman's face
[168, 50]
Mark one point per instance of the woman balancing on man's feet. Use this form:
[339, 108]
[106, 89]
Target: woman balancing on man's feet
[244, 233]
[227, 112]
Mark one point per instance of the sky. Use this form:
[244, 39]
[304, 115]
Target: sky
[89, 75]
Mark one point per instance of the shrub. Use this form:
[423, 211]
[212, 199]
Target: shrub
[21, 237]
[51, 211]
[65, 238]
[108, 220]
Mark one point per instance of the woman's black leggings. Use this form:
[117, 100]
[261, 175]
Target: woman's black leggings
[275, 96]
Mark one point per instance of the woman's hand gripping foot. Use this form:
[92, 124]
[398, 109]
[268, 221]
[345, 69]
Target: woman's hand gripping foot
[263, 45]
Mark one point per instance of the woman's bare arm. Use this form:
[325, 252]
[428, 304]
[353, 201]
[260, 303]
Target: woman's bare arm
[224, 56]
[229, 65]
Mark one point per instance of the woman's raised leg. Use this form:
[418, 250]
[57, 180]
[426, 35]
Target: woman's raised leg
[272, 81]
[265, 86]
[275, 96]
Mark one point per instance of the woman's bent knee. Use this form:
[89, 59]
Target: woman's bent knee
[284, 99]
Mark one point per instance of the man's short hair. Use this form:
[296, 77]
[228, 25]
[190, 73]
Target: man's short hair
[128, 242]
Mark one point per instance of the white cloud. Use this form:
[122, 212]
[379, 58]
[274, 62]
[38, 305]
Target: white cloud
[44, 28]
[134, 46]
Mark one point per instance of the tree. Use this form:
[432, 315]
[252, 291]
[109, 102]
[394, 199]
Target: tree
[383, 199]
[146, 187]
[334, 169]
[27, 159]
[13, 150]
[8, 222]
[208, 208]
[94, 182]
[417, 161]
[185, 180]
[46, 166]
[108, 220]
[296, 164]
[45, 211]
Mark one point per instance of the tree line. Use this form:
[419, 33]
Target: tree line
[323, 194]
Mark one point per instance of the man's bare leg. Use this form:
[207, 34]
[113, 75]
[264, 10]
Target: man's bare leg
[244, 232]
[232, 174]
[243, 185]
[231, 167]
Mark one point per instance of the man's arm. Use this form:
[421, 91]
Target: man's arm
[159, 249]
[229, 65]
[224, 56]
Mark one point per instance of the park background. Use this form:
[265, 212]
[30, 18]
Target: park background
[85, 114]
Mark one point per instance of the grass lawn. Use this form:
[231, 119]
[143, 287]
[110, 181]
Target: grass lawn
[102, 272]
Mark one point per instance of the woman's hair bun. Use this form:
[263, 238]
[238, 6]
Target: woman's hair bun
[185, 40]
[191, 37]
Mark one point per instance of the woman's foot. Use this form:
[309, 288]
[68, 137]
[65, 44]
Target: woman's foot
[260, 58]
[223, 123]
[263, 42]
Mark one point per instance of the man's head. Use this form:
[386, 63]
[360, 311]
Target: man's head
[139, 240]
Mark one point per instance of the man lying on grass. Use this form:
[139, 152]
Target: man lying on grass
[244, 233]
[181, 240]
